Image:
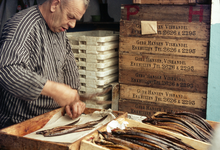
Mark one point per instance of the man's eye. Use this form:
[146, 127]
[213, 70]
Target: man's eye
[71, 17]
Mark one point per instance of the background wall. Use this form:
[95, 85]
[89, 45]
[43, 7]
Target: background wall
[8, 9]
[213, 95]
[114, 9]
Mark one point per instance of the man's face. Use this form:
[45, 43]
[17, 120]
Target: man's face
[65, 16]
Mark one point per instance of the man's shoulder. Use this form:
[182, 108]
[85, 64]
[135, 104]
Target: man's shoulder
[22, 22]
[25, 16]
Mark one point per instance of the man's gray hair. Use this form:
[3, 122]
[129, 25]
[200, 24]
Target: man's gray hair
[86, 2]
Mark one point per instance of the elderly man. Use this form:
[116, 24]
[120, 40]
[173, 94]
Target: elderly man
[38, 72]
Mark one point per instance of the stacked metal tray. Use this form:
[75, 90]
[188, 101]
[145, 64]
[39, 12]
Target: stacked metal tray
[96, 53]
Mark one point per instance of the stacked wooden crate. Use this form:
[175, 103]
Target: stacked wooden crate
[96, 53]
[165, 71]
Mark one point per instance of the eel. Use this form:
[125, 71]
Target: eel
[58, 128]
[119, 141]
[198, 118]
[163, 138]
[145, 142]
[69, 129]
[180, 121]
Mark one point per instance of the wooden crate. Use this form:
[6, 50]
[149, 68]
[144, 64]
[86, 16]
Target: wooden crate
[169, 13]
[164, 64]
[163, 80]
[88, 144]
[176, 2]
[145, 108]
[12, 137]
[151, 45]
[167, 29]
[172, 59]
[163, 96]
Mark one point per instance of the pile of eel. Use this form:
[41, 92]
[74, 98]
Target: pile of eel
[70, 128]
[185, 123]
[138, 138]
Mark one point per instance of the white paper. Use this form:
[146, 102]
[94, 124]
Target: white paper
[115, 124]
[59, 120]
[148, 27]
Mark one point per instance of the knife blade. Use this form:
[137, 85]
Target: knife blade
[85, 97]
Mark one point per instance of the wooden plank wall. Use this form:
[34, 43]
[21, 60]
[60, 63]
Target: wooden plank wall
[166, 71]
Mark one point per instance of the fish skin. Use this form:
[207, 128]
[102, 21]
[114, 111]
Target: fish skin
[179, 127]
[72, 128]
[153, 132]
[145, 144]
[115, 140]
[198, 118]
[58, 128]
[148, 143]
[154, 137]
[172, 129]
[185, 123]
[138, 137]
[196, 124]
[192, 117]
[165, 136]
[83, 129]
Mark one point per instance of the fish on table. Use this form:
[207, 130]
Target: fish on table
[70, 128]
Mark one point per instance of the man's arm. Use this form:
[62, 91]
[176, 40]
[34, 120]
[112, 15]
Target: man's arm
[61, 93]
[64, 95]
[71, 77]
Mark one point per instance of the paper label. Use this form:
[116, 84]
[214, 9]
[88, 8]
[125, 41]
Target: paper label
[148, 27]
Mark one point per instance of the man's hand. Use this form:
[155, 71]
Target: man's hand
[75, 109]
[64, 95]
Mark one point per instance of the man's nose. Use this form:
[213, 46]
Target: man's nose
[72, 23]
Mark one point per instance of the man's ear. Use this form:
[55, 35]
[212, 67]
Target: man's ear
[54, 5]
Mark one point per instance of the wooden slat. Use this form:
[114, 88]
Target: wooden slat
[163, 80]
[172, 13]
[179, 2]
[163, 96]
[144, 108]
[178, 47]
[166, 29]
[164, 64]
[30, 125]
[13, 142]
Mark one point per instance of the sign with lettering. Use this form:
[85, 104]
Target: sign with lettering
[164, 64]
[176, 13]
[163, 96]
[163, 46]
[164, 80]
[177, 30]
